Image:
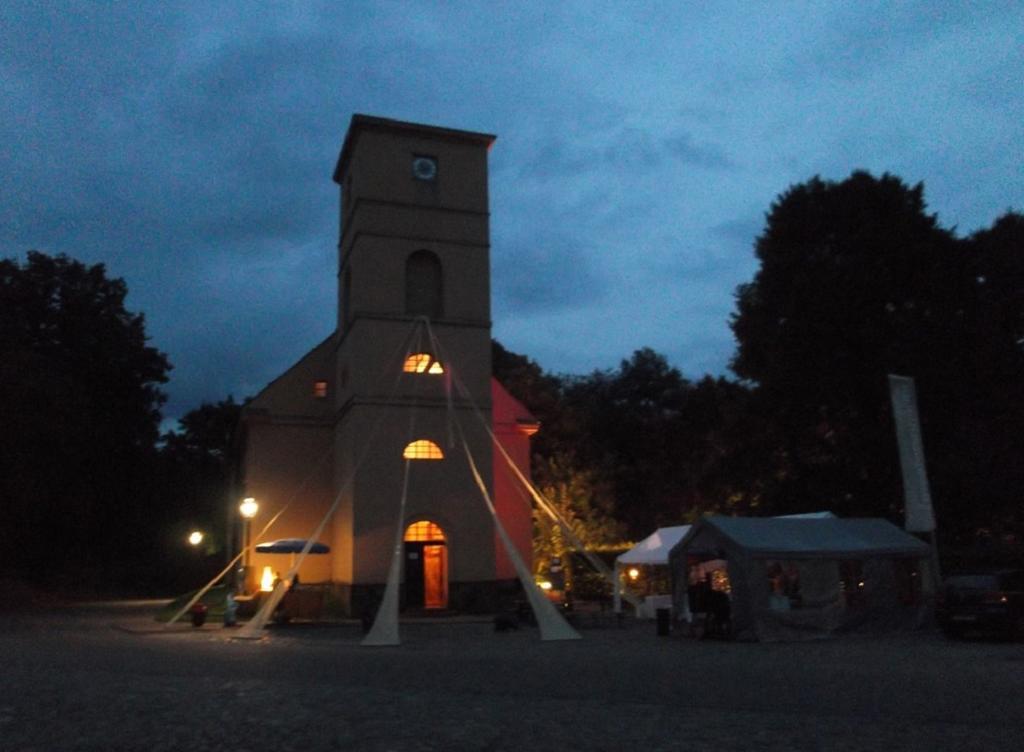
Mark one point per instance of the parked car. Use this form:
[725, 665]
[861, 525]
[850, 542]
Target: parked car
[991, 602]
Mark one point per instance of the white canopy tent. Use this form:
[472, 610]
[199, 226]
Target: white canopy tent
[651, 550]
[654, 549]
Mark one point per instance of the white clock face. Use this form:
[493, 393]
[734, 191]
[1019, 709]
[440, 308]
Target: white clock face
[424, 168]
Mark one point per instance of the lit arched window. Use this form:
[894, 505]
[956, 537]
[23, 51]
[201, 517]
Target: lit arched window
[424, 531]
[423, 285]
[422, 363]
[423, 449]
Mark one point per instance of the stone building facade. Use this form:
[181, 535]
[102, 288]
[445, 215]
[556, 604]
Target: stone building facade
[404, 381]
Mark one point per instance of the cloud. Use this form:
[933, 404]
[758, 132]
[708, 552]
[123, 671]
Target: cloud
[554, 275]
[620, 149]
[190, 148]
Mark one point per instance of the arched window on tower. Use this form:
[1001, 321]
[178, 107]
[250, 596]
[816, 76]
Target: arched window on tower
[423, 449]
[422, 363]
[423, 285]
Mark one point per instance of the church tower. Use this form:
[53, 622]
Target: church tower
[413, 248]
[404, 381]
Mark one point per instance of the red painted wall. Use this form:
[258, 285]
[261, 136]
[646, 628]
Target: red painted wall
[513, 425]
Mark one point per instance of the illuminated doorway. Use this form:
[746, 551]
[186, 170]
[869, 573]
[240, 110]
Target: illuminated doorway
[426, 566]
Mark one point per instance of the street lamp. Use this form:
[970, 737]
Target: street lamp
[195, 537]
[248, 508]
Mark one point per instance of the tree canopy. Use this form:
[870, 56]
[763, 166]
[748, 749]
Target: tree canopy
[80, 408]
[858, 281]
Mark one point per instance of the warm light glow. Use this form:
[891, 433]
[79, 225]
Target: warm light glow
[422, 363]
[320, 389]
[633, 573]
[423, 449]
[527, 427]
[425, 531]
[248, 508]
[544, 585]
[195, 537]
[267, 580]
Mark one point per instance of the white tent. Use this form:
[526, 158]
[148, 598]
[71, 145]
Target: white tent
[655, 547]
[651, 550]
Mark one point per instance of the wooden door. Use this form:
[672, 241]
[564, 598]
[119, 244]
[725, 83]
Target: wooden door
[435, 575]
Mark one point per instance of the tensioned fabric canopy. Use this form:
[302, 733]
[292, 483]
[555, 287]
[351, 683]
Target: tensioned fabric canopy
[291, 546]
[808, 538]
[655, 547]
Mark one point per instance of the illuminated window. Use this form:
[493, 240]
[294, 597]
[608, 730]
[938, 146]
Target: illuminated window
[422, 363]
[423, 449]
[425, 531]
[320, 389]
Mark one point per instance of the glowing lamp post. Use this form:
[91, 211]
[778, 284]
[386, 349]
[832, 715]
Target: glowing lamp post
[195, 537]
[248, 508]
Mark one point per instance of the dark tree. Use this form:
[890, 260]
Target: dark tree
[653, 448]
[199, 465]
[727, 452]
[858, 281]
[989, 465]
[629, 433]
[79, 419]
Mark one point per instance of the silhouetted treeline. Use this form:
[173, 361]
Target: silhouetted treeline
[856, 281]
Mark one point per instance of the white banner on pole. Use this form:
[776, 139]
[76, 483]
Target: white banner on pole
[920, 518]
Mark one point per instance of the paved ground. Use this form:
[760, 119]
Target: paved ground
[101, 678]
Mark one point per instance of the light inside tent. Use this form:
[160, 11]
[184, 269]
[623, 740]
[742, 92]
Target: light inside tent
[267, 580]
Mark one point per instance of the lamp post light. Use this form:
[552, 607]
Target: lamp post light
[248, 509]
[195, 537]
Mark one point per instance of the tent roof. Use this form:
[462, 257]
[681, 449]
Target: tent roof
[806, 516]
[817, 536]
[655, 547]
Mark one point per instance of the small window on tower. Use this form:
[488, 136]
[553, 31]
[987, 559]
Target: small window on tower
[320, 389]
[423, 449]
[422, 363]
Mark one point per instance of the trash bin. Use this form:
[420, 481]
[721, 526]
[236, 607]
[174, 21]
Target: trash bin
[664, 619]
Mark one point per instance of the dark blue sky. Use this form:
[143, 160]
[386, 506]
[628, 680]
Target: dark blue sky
[639, 145]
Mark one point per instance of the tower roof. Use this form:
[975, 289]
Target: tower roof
[362, 123]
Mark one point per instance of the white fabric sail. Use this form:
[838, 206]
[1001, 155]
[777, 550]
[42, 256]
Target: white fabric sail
[552, 624]
[920, 517]
[385, 624]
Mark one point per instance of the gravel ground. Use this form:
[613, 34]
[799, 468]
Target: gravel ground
[104, 678]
